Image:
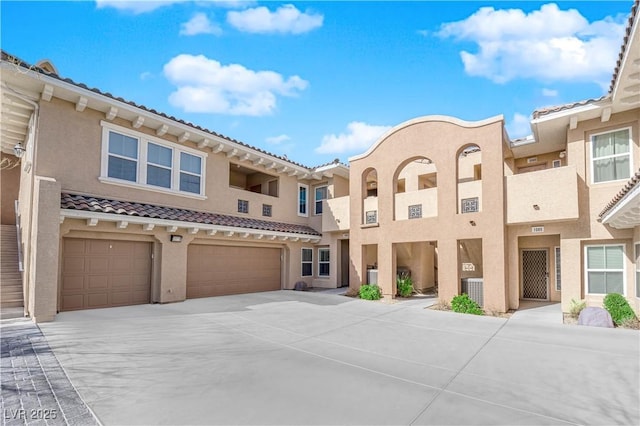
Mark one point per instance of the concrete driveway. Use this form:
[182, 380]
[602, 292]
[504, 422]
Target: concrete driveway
[310, 358]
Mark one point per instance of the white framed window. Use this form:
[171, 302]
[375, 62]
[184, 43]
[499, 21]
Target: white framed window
[307, 262]
[605, 269]
[558, 275]
[135, 159]
[303, 200]
[323, 262]
[320, 194]
[122, 161]
[637, 262]
[159, 160]
[611, 156]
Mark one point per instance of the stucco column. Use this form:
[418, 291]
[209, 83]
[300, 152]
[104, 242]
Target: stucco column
[44, 248]
[357, 267]
[570, 271]
[387, 270]
[494, 267]
[173, 268]
[448, 269]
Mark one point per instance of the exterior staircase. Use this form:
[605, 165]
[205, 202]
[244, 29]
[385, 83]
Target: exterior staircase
[11, 295]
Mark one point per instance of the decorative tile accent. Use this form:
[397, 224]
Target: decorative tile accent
[243, 206]
[371, 216]
[266, 210]
[126, 208]
[469, 205]
[415, 211]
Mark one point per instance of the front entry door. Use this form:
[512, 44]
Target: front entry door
[534, 274]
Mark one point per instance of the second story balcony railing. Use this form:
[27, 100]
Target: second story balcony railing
[417, 204]
[542, 196]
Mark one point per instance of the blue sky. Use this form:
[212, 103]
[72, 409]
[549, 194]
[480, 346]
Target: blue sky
[321, 80]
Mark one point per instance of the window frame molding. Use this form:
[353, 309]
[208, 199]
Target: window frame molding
[327, 262]
[142, 162]
[303, 262]
[306, 201]
[586, 268]
[315, 200]
[629, 154]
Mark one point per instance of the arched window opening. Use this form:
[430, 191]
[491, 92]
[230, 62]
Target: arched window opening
[415, 189]
[470, 179]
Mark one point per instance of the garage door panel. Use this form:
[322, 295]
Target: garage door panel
[220, 270]
[103, 273]
[96, 282]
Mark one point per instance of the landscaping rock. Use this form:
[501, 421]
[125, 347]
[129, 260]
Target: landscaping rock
[595, 317]
[301, 286]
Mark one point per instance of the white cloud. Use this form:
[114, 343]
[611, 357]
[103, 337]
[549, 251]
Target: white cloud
[550, 93]
[146, 75]
[519, 126]
[548, 44]
[136, 7]
[358, 137]
[286, 19]
[199, 24]
[205, 85]
[277, 140]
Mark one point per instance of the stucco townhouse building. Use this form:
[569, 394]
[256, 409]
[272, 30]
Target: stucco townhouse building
[106, 202]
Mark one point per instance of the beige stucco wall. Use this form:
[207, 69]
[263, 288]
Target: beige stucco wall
[74, 159]
[440, 140]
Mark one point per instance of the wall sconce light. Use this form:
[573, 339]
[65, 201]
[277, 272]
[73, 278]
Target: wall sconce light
[472, 222]
[563, 154]
[536, 207]
[19, 150]
[176, 238]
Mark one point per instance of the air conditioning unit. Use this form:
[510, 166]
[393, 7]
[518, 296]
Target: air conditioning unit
[473, 287]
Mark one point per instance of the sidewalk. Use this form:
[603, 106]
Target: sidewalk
[35, 388]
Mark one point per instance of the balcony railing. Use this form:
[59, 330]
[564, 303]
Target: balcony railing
[417, 204]
[542, 196]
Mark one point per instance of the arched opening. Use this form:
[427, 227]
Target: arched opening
[415, 189]
[370, 196]
[469, 179]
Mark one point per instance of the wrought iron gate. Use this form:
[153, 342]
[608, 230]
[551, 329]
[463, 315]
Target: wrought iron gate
[534, 274]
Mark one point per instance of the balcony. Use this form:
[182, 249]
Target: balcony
[426, 198]
[543, 196]
[335, 214]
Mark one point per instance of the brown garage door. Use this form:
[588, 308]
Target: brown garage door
[104, 273]
[220, 270]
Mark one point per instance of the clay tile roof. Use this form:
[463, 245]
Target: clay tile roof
[127, 208]
[632, 183]
[625, 43]
[556, 108]
[19, 62]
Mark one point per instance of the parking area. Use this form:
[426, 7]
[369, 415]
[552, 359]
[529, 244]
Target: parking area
[287, 357]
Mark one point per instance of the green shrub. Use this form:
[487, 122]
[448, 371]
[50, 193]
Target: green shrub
[576, 307]
[370, 292]
[618, 307]
[405, 285]
[465, 305]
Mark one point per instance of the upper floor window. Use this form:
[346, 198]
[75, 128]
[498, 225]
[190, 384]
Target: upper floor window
[321, 194]
[611, 156]
[302, 200]
[132, 158]
[123, 157]
[605, 269]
